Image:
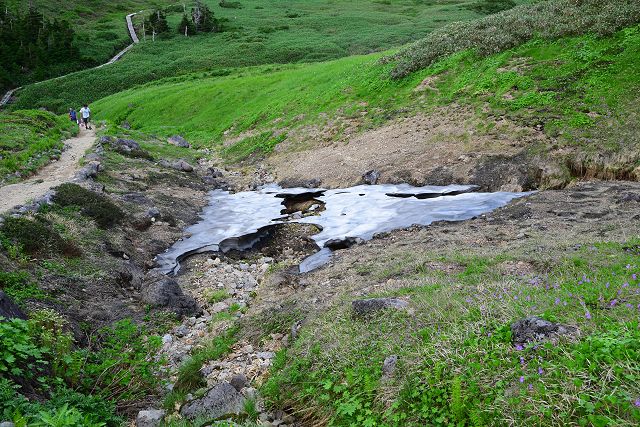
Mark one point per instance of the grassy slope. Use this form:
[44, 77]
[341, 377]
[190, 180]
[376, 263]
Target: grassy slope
[591, 87]
[259, 33]
[100, 24]
[456, 363]
[28, 139]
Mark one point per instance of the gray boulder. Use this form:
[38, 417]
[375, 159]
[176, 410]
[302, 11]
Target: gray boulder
[536, 329]
[221, 401]
[125, 145]
[371, 306]
[389, 366]
[180, 165]
[162, 291]
[239, 381]
[90, 170]
[371, 177]
[179, 141]
[9, 309]
[7, 424]
[150, 418]
[344, 243]
[299, 182]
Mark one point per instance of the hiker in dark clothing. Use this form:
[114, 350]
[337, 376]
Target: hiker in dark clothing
[73, 116]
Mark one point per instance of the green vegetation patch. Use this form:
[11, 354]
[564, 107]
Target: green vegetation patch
[189, 375]
[261, 32]
[102, 210]
[34, 236]
[456, 364]
[548, 20]
[19, 286]
[29, 140]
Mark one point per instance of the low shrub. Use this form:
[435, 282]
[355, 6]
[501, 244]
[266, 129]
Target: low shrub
[487, 7]
[34, 236]
[19, 286]
[547, 20]
[98, 207]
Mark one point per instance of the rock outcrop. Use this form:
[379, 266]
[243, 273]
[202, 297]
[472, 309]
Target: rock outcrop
[221, 401]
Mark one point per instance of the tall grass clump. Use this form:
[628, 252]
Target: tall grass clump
[547, 20]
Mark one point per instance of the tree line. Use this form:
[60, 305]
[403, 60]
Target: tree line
[34, 48]
[200, 20]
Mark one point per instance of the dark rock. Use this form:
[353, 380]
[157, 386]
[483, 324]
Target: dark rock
[371, 177]
[179, 141]
[106, 140]
[215, 173]
[495, 171]
[344, 243]
[365, 307]
[535, 329]
[9, 309]
[629, 197]
[239, 381]
[221, 401]
[298, 182]
[162, 291]
[90, 170]
[389, 365]
[125, 145]
[125, 125]
[150, 418]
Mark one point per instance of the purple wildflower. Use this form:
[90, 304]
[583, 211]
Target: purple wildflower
[540, 371]
[530, 386]
[637, 402]
[607, 285]
[633, 276]
[613, 302]
[625, 285]
[587, 315]
[521, 379]
[519, 347]
[557, 301]
[521, 360]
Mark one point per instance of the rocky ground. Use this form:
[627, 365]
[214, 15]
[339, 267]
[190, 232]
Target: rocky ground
[260, 290]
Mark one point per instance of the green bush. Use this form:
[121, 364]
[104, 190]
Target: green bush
[487, 7]
[19, 353]
[548, 20]
[103, 211]
[19, 286]
[35, 237]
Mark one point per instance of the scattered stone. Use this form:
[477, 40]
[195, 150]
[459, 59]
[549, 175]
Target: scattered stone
[389, 366]
[180, 165]
[89, 171]
[125, 125]
[222, 400]
[179, 141]
[371, 177]
[344, 243]
[149, 418]
[125, 145]
[365, 307]
[266, 355]
[239, 382]
[215, 173]
[7, 424]
[163, 291]
[9, 309]
[535, 329]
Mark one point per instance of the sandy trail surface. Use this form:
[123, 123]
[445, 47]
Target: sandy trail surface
[52, 175]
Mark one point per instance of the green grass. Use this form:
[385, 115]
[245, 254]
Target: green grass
[28, 140]
[261, 32]
[573, 87]
[189, 375]
[456, 362]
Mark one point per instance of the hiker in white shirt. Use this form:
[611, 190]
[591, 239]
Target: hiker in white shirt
[85, 112]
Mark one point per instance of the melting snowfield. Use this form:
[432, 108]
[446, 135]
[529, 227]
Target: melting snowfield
[237, 221]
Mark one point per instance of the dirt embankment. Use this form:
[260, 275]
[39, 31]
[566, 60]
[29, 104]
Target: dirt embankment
[448, 145]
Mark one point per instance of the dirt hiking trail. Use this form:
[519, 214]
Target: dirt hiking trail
[52, 175]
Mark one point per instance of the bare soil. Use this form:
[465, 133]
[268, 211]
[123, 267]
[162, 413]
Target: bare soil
[450, 145]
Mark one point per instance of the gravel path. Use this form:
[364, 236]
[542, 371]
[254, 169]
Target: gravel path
[50, 176]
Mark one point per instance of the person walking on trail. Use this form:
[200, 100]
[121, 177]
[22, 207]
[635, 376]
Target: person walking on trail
[85, 112]
[73, 116]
